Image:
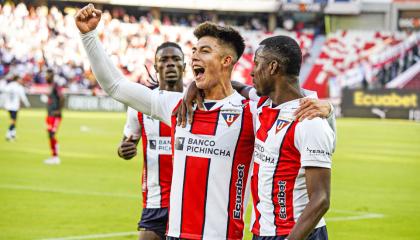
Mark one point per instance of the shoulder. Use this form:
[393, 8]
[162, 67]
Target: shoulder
[316, 128]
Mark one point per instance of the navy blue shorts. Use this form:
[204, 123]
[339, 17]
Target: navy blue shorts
[317, 234]
[154, 219]
[13, 114]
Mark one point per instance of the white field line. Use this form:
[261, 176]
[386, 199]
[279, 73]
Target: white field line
[95, 236]
[356, 216]
[74, 192]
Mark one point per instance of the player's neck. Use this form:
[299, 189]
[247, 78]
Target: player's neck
[285, 91]
[220, 91]
[172, 87]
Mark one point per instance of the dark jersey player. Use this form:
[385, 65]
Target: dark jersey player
[156, 142]
[54, 106]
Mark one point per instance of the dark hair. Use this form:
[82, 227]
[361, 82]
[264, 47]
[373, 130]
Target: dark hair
[169, 44]
[225, 34]
[287, 51]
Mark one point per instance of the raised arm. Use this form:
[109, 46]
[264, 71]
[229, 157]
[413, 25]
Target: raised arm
[109, 77]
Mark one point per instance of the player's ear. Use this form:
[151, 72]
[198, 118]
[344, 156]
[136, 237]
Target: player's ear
[156, 68]
[227, 60]
[274, 67]
[184, 67]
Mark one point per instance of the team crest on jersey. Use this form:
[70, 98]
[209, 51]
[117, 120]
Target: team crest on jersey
[280, 124]
[230, 117]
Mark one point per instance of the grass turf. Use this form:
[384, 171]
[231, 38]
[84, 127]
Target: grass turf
[374, 180]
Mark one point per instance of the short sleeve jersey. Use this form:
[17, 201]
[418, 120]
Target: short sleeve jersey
[283, 148]
[157, 157]
[212, 158]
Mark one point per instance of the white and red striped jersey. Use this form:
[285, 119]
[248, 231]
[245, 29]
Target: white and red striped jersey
[157, 155]
[283, 148]
[212, 158]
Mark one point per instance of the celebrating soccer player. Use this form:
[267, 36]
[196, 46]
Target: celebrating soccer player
[156, 139]
[212, 156]
[292, 156]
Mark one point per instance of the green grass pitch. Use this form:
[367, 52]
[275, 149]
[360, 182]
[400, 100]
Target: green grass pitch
[95, 195]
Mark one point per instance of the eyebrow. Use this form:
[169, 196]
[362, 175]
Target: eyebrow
[201, 47]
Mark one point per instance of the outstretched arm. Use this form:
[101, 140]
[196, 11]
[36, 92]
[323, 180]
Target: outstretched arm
[108, 76]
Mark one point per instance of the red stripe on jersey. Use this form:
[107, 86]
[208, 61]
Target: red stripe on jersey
[284, 179]
[205, 122]
[165, 178]
[262, 101]
[194, 196]
[239, 175]
[267, 120]
[256, 200]
[164, 130]
[144, 144]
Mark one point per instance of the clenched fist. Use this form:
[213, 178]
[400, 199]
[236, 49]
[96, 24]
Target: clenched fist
[87, 18]
[128, 148]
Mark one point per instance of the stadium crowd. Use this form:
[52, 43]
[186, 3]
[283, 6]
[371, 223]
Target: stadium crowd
[33, 39]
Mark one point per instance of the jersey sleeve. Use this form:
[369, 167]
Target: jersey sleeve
[112, 80]
[132, 125]
[315, 141]
[331, 123]
[163, 104]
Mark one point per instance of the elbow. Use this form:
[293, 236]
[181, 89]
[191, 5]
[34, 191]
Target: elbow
[324, 203]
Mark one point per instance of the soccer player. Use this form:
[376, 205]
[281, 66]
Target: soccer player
[13, 95]
[212, 155]
[54, 106]
[292, 156]
[157, 151]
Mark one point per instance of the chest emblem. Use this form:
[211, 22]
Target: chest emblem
[280, 124]
[230, 117]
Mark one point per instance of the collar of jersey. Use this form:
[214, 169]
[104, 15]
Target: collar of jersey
[219, 103]
[294, 104]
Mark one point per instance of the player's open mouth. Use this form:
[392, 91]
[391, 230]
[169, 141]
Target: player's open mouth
[198, 72]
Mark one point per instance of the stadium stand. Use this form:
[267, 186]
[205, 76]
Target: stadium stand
[33, 39]
[367, 59]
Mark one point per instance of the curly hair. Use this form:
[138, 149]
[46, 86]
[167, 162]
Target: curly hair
[287, 51]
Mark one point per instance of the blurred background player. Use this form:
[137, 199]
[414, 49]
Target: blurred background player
[156, 141]
[54, 108]
[13, 95]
